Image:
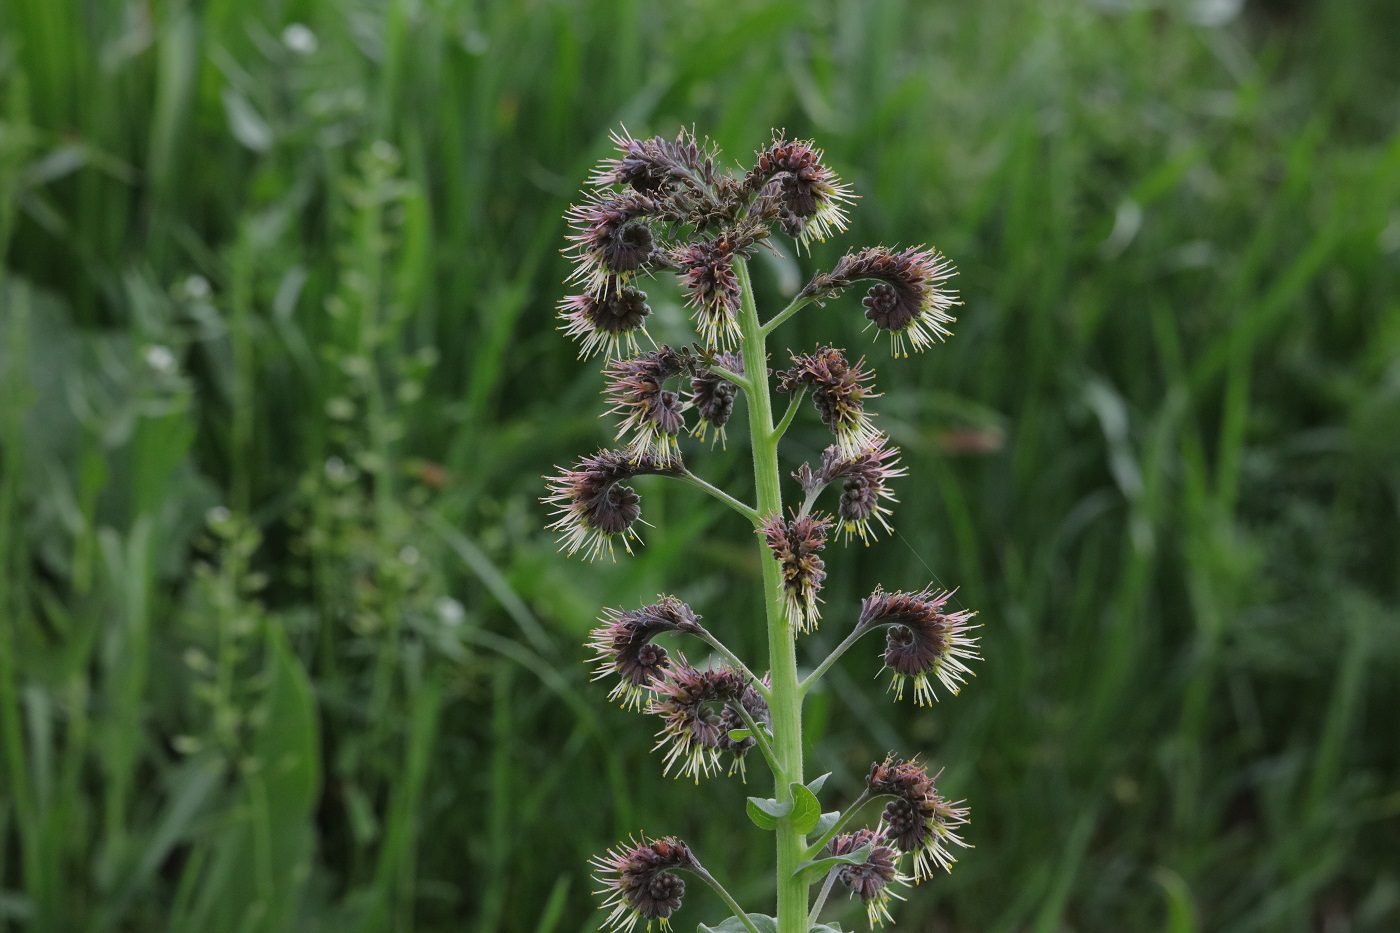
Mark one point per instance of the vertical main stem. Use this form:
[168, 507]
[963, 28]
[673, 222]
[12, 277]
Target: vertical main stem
[785, 702]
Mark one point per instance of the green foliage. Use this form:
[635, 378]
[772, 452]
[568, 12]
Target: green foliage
[282, 645]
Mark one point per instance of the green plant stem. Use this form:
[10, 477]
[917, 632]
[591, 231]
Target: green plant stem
[788, 415]
[839, 650]
[847, 815]
[700, 872]
[785, 694]
[797, 305]
[708, 637]
[759, 738]
[821, 897]
[745, 510]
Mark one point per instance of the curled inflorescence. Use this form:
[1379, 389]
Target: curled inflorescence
[796, 544]
[871, 880]
[606, 321]
[908, 300]
[839, 389]
[712, 395]
[692, 729]
[593, 507]
[811, 201]
[624, 646]
[918, 820]
[923, 641]
[640, 882]
[637, 390]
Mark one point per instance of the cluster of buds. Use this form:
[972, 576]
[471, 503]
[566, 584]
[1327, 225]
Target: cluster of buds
[666, 206]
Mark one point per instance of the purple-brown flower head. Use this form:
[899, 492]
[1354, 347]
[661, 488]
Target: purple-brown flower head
[923, 640]
[908, 300]
[707, 269]
[606, 321]
[870, 881]
[730, 720]
[640, 882]
[686, 700]
[839, 389]
[624, 646]
[680, 170]
[811, 197]
[865, 488]
[593, 507]
[642, 165]
[796, 544]
[637, 390]
[611, 238]
[918, 820]
[713, 397]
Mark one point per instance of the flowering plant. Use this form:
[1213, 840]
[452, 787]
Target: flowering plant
[664, 206]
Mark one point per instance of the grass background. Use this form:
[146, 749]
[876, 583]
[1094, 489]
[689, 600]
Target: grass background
[283, 645]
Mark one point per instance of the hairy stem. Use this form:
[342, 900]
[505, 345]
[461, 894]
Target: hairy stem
[788, 415]
[797, 305]
[821, 897]
[785, 694]
[700, 872]
[759, 738]
[841, 822]
[839, 650]
[745, 510]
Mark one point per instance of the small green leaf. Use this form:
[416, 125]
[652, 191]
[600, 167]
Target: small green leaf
[805, 809]
[815, 785]
[765, 811]
[816, 868]
[826, 821]
[739, 735]
[827, 928]
[763, 922]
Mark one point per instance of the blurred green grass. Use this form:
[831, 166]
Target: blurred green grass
[283, 644]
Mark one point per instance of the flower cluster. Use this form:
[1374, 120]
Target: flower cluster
[839, 389]
[707, 269]
[923, 640]
[865, 485]
[918, 820]
[870, 881]
[691, 727]
[640, 881]
[624, 646]
[668, 205]
[796, 544]
[607, 321]
[592, 506]
[637, 390]
[612, 240]
[811, 200]
[908, 299]
[712, 395]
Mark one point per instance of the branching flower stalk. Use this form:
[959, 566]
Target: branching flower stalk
[664, 205]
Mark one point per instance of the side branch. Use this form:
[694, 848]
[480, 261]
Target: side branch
[745, 510]
[810, 680]
[699, 871]
[788, 415]
[777, 320]
[759, 739]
